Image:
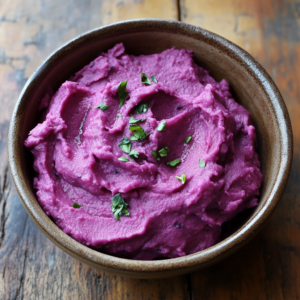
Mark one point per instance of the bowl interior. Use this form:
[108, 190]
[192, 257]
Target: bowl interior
[222, 61]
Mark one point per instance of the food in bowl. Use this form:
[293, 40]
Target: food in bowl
[144, 157]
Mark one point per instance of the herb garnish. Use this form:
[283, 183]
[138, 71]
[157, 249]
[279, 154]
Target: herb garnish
[187, 139]
[133, 120]
[154, 153]
[202, 163]
[120, 116]
[142, 108]
[182, 178]
[164, 151]
[102, 106]
[125, 145]
[119, 207]
[122, 158]
[174, 163]
[76, 205]
[133, 154]
[138, 133]
[122, 93]
[145, 79]
[161, 126]
[153, 79]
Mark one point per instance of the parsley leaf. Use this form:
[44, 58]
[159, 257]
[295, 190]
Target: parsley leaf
[202, 163]
[76, 205]
[138, 133]
[182, 178]
[154, 153]
[133, 154]
[142, 108]
[164, 151]
[122, 92]
[161, 126]
[120, 116]
[122, 158]
[174, 163]
[125, 145]
[187, 139]
[133, 120]
[102, 106]
[153, 79]
[119, 207]
[145, 79]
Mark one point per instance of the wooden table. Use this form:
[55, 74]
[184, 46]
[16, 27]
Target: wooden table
[31, 267]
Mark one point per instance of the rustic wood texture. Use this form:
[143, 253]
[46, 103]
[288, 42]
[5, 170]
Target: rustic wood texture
[31, 267]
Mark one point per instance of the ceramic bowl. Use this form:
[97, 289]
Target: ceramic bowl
[251, 86]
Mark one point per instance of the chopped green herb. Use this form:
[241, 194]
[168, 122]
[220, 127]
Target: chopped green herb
[125, 145]
[120, 116]
[138, 133]
[182, 178]
[154, 153]
[122, 158]
[142, 108]
[202, 163]
[145, 79]
[133, 154]
[122, 93]
[119, 207]
[164, 151]
[153, 79]
[133, 120]
[76, 205]
[174, 163]
[161, 126]
[102, 106]
[134, 127]
[187, 139]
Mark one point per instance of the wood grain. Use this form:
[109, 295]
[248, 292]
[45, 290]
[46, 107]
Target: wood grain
[31, 267]
[269, 267]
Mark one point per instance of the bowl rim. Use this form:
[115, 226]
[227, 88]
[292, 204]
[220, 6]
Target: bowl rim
[204, 257]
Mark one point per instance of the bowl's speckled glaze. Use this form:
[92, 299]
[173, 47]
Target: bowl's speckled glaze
[251, 86]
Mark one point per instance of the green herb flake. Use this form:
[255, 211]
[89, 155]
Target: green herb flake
[76, 205]
[122, 158]
[122, 93]
[133, 120]
[119, 206]
[133, 154]
[154, 153]
[174, 163]
[125, 145]
[138, 133]
[182, 178]
[142, 108]
[145, 79]
[102, 106]
[187, 139]
[164, 151]
[161, 126]
[120, 116]
[153, 79]
[202, 163]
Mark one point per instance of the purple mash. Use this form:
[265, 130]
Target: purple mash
[76, 156]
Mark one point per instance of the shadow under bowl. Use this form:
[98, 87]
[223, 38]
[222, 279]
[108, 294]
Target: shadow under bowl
[251, 86]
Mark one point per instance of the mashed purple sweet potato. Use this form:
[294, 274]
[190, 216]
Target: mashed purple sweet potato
[149, 169]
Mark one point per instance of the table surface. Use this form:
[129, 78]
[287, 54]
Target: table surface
[31, 267]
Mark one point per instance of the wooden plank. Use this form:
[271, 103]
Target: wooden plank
[269, 267]
[31, 267]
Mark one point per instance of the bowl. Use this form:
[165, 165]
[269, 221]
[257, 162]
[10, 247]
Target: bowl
[251, 86]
